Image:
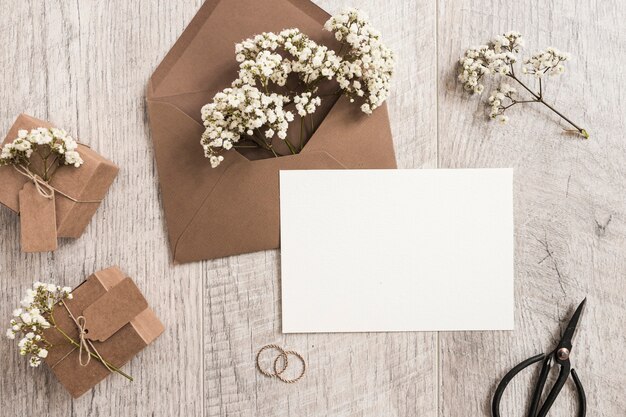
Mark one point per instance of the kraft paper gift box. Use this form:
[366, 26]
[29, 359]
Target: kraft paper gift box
[118, 323]
[233, 209]
[80, 191]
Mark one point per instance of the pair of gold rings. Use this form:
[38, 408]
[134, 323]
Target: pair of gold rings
[280, 363]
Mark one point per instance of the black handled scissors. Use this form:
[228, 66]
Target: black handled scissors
[561, 356]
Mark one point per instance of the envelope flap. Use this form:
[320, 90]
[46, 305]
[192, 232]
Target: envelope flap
[356, 139]
[243, 209]
[185, 175]
[113, 310]
[208, 42]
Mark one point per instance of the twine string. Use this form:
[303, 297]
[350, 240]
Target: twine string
[44, 188]
[86, 346]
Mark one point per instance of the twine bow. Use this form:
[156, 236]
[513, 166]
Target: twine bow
[86, 346]
[44, 188]
[81, 322]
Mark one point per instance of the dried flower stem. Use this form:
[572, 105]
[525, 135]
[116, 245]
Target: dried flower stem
[497, 58]
[539, 99]
[292, 149]
[93, 355]
[302, 143]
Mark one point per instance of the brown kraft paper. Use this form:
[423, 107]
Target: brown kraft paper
[118, 323]
[38, 227]
[233, 209]
[87, 184]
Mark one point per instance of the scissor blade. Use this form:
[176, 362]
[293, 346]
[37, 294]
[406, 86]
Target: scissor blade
[570, 330]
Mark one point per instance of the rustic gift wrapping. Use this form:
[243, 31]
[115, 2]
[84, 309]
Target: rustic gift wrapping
[117, 324]
[77, 194]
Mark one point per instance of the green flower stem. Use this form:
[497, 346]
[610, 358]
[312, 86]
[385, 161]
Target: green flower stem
[262, 143]
[301, 133]
[75, 344]
[291, 147]
[93, 355]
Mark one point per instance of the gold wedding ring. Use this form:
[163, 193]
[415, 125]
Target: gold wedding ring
[279, 374]
[282, 358]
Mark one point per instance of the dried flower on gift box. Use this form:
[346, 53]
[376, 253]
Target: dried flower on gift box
[498, 58]
[253, 111]
[34, 316]
[53, 146]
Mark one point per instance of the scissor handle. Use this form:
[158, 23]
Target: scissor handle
[582, 398]
[541, 383]
[495, 404]
[554, 392]
[556, 388]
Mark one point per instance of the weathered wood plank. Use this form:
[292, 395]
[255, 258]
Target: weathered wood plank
[348, 374]
[84, 65]
[569, 201]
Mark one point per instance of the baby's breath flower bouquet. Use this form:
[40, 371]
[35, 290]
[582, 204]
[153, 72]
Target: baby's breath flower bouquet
[54, 146]
[35, 316]
[279, 80]
[498, 58]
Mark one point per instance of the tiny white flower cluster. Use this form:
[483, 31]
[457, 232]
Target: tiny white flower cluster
[57, 140]
[497, 99]
[495, 58]
[259, 59]
[305, 104]
[32, 318]
[546, 62]
[241, 111]
[367, 67]
[249, 108]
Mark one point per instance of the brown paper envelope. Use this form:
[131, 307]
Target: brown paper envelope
[234, 208]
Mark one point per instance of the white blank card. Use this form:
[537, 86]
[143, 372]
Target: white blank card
[396, 250]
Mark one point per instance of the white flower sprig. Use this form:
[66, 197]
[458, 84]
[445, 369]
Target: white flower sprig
[33, 317]
[47, 143]
[498, 58]
[367, 66]
[241, 111]
[546, 62]
[500, 100]
[254, 110]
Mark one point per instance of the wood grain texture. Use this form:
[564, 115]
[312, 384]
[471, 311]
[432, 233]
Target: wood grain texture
[348, 374]
[570, 204]
[84, 65]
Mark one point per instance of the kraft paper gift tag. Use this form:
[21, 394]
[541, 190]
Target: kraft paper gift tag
[118, 323]
[80, 190]
[38, 224]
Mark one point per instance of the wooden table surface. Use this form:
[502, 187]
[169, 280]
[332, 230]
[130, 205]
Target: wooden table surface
[84, 65]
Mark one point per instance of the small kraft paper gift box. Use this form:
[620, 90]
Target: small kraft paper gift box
[75, 193]
[109, 322]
